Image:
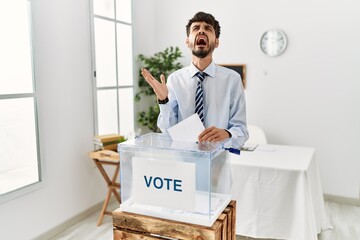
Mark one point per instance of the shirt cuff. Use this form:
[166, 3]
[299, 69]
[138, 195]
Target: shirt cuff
[230, 135]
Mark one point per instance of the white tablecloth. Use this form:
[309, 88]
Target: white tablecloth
[278, 193]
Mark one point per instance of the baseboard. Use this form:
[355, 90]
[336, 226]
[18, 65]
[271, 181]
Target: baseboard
[70, 222]
[342, 200]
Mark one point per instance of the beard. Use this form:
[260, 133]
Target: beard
[202, 53]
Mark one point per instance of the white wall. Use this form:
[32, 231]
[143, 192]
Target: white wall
[143, 43]
[309, 95]
[63, 73]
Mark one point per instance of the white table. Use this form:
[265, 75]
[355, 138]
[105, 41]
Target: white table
[278, 193]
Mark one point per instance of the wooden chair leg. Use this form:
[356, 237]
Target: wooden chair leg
[115, 185]
[112, 186]
[116, 194]
[103, 211]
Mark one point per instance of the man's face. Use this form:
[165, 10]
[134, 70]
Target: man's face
[202, 40]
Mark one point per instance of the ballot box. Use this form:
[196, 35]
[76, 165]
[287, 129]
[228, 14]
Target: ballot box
[180, 181]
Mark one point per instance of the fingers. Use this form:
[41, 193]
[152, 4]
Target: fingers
[147, 76]
[206, 133]
[213, 134]
[160, 89]
[162, 78]
[150, 79]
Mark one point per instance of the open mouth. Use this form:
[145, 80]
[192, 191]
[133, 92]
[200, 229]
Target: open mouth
[201, 41]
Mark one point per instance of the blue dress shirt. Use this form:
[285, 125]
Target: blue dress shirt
[224, 100]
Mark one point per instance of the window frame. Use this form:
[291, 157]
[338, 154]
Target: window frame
[33, 95]
[117, 87]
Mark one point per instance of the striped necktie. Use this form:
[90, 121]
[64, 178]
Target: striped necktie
[199, 96]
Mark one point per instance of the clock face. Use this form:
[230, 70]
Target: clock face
[273, 42]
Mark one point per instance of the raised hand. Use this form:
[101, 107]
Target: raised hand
[160, 89]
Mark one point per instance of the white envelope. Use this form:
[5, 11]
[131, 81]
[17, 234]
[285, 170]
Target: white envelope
[187, 130]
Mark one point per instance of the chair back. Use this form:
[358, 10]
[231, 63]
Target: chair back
[256, 135]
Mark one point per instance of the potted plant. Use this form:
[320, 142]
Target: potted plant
[164, 62]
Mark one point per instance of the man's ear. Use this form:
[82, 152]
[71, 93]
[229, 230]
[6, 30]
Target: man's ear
[187, 42]
[216, 42]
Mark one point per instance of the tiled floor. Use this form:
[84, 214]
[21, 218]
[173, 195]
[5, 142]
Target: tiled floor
[345, 220]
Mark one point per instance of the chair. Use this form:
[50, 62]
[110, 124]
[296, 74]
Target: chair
[256, 135]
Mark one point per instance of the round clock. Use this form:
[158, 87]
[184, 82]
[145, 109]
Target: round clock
[273, 42]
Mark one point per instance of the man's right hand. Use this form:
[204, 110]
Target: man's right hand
[160, 89]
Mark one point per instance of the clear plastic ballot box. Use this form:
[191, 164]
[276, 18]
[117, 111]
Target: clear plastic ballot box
[181, 181]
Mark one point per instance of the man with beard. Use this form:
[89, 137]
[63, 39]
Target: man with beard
[222, 102]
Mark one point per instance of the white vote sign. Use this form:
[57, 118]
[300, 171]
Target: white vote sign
[169, 184]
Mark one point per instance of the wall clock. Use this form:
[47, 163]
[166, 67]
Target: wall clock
[273, 42]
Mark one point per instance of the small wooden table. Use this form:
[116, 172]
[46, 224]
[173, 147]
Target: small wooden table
[107, 157]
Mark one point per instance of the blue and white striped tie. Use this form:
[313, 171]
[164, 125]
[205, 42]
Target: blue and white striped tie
[199, 96]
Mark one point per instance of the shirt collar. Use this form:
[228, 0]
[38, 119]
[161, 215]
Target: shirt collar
[210, 70]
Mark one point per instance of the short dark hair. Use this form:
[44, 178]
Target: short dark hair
[204, 17]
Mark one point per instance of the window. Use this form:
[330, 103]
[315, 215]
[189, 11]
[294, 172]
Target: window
[113, 66]
[19, 148]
